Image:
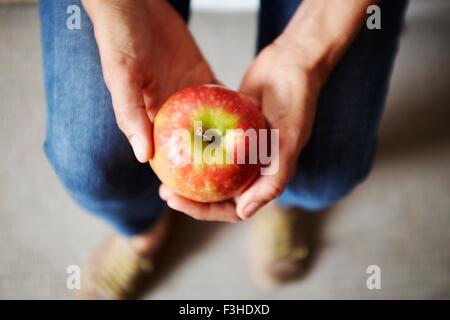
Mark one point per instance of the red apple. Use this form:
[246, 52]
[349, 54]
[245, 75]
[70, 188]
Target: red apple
[189, 163]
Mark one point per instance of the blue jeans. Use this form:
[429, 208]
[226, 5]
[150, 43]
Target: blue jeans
[96, 164]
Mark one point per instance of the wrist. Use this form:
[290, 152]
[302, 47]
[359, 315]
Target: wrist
[313, 56]
[321, 30]
[93, 6]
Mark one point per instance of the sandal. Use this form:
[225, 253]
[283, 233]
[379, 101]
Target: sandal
[280, 247]
[115, 271]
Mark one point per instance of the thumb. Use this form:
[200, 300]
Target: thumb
[267, 187]
[131, 116]
[264, 190]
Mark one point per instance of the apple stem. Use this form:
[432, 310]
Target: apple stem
[206, 137]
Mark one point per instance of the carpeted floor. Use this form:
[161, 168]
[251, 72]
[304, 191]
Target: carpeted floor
[398, 218]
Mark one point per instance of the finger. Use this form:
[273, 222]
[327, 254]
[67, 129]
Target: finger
[131, 115]
[151, 100]
[272, 181]
[165, 192]
[264, 190]
[219, 211]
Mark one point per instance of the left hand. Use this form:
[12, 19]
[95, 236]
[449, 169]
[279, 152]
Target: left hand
[287, 86]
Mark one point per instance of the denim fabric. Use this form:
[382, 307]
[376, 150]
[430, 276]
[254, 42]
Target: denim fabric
[95, 162]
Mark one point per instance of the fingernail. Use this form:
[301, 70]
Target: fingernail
[138, 148]
[250, 209]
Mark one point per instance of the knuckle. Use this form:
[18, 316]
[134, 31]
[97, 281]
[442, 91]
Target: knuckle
[124, 63]
[108, 78]
[234, 219]
[119, 69]
[276, 188]
[121, 123]
[197, 215]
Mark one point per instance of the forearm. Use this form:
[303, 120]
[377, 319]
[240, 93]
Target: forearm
[321, 30]
[118, 12]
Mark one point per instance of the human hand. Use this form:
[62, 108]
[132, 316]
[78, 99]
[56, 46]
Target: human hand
[147, 53]
[287, 84]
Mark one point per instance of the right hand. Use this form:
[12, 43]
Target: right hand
[147, 53]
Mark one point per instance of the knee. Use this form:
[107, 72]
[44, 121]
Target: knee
[94, 174]
[320, 187]
[330, 188]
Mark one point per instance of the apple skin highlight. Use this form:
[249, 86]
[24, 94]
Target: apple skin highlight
[217, 108]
